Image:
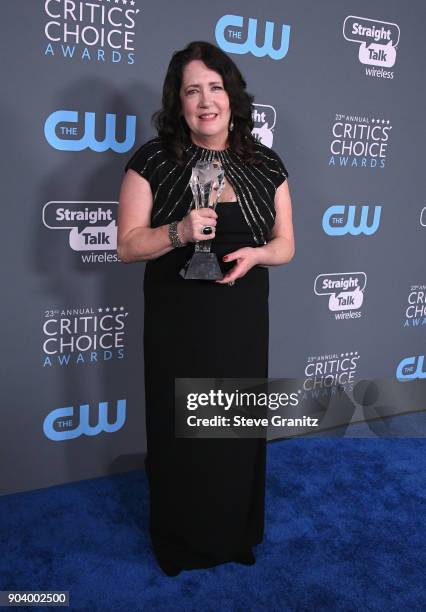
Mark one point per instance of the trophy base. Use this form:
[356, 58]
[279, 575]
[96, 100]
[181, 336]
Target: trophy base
[202, 266]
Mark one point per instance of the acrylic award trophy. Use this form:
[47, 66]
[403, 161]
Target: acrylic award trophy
[207, 183]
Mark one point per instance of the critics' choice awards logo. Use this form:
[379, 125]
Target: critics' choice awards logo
[345, 291]
[323, 372]
[68, 423]
[415, 310]
[377, 42]
[91, 227]
[264, 119]
[340, 219]
[76, 336]
[423, 217]
[65, 130]
[411, 368]
[102, 31]
[234, 34]
[359, 141]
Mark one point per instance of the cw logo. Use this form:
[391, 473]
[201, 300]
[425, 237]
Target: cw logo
[228, 23]
[411, 368]
[64, 418]
[63, 137]
[336, 222]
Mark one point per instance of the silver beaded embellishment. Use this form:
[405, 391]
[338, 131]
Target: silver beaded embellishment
[174, 236]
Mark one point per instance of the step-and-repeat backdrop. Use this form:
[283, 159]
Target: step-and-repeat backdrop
[340, 96]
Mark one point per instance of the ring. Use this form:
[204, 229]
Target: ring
[231, 283]
[207, 230]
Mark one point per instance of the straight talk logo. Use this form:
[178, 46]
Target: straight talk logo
[377, 40]
[91, 227]
[345, 292]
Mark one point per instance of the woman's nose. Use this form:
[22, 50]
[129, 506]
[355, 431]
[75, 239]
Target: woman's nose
[204, 97]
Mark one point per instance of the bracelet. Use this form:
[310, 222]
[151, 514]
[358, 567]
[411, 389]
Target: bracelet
[174, 236]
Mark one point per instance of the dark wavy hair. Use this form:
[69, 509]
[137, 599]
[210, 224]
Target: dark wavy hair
[169, 121]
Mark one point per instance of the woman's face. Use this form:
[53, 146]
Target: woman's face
[205, 104]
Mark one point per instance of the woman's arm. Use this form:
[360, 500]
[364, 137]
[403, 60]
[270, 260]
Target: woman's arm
[279, 250]
[136, 239]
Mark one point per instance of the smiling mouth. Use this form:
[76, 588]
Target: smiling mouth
[207, 116]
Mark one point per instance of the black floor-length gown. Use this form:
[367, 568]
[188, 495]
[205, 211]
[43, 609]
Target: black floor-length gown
[206, 495]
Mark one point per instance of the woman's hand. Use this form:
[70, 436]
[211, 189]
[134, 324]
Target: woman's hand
[246, 258]
[190, 227]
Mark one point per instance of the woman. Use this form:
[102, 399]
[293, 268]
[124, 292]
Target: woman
[206, 495]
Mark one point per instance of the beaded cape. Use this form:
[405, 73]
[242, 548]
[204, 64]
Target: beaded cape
[254, 184]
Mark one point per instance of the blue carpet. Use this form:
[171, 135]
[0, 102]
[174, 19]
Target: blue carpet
[345, 530]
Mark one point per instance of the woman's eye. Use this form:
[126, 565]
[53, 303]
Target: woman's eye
[217, 87]
[191, 91]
